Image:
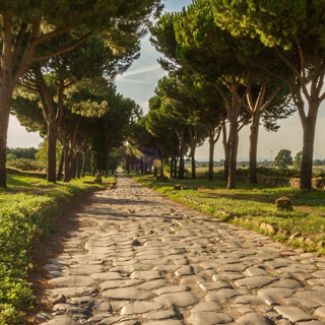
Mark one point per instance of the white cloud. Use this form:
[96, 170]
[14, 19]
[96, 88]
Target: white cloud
[142, 70]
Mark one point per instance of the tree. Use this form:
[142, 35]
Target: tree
[298, 160]
[27, 28]
[294, 30]
[193, 41]
[283, 159]
[52, 81]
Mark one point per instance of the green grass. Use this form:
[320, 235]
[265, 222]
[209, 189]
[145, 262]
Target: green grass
[250, 207]
[28, 210]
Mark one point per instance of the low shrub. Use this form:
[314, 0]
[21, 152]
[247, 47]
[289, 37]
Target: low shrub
[24, 219]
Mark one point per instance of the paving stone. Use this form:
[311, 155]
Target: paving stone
[179, 299]
[184, 270]
[61, 320]
[160, 315]
[127, 294]
[252, 319]
[320, 313]
[140, 308]
[209, 318]
[294, 314]
[72, 281]
[132, 262]
[171, 289]
[206, 306]
[222, 296]
[112, 284]
[146, 275]
[255, 282]
[165, 322]
[273, 296]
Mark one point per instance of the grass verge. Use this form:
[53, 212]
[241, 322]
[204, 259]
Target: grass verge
[28, 210]
[254, 209]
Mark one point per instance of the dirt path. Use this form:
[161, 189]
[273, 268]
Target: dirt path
[139, 259]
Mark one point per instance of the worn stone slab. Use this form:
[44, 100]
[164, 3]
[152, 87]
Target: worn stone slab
[294, 314]
[252, 319]
[179, 299]
[127, 294]
[209, 318]
[72, 281]
[140, 308]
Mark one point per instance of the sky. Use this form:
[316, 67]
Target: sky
[139, 83]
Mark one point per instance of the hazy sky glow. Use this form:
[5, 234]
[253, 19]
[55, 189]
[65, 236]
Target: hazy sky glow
[139, 83]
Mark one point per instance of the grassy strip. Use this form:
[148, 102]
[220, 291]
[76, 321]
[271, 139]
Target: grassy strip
[254, 209]
[28, 210]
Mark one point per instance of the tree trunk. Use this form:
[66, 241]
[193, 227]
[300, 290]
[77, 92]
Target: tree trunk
[78, 166]
[51, 152]
[67, 175]
[175, 168]
[61, 165]
[83, 164]
[73, 168]
[181, 171]
[193, 163]
[253, 149]
[5, 99]
[171, 167]
[226, 150]
[233, 150]
[309, 126]
[211, 155]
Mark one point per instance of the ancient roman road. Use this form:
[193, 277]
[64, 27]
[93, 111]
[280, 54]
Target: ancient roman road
[137, 258]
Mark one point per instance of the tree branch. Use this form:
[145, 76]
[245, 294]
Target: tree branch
[63, 50]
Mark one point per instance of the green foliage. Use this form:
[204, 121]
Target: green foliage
[28, 153]
[25, 217]
[297, 160]
[283, 159]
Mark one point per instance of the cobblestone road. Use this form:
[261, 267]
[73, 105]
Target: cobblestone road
[140, 259]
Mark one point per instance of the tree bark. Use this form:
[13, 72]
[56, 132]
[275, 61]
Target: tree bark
[309, 127]
[83, 164]
[253, 149]
[233, 150]
[226, 150]
[61, 165]
[51, 153]
[211, 155]
[193, 163]
[171, 167]
[5, 99]
[175, 168]
[67, 175]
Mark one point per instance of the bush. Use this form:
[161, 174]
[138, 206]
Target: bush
[24, 219]
[26, 164]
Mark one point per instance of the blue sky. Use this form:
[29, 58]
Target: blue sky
[139, 83]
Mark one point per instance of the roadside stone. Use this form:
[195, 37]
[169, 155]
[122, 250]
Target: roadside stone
[283, 204]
